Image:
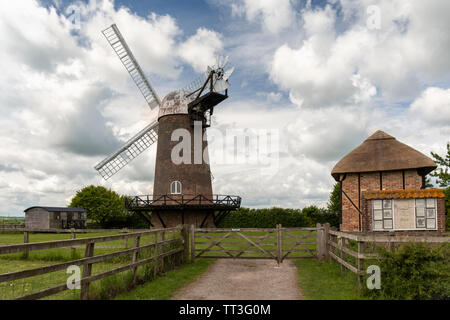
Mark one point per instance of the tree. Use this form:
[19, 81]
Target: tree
[334, 203]
[442, 175]
[104, 206]
[443, 178]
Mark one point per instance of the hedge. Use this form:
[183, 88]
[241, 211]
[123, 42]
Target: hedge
[269, 218]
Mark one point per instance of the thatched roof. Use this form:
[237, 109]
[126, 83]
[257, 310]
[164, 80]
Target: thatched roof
[382, 152]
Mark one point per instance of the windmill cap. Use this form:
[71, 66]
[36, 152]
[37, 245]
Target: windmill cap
[382, 152]
[175, 102]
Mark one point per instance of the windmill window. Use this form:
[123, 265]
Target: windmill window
[175, 187]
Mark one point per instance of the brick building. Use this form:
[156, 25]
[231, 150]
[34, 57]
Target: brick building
[383, 188]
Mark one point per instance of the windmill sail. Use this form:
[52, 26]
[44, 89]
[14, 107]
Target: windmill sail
[196, 84]
[134, 147]
[117, 42]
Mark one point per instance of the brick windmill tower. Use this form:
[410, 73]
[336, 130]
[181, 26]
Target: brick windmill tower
[182, 192]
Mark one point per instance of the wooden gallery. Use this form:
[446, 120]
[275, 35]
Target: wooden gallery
[383, 188]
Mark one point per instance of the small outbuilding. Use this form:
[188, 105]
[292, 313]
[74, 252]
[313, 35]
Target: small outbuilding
[55, 218]
[383, 188]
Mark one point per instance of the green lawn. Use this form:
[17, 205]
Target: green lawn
[100, 289]
[324, 281]
[162, 288]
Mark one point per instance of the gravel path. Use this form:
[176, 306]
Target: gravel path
[244, 279]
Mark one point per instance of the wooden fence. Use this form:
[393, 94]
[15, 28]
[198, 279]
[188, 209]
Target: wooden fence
[179, 249]
[11, 227]
[352, 250]
[256, 243]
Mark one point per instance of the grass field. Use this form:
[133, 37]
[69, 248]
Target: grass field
[323, 281]
[12, 220]
[100, 289]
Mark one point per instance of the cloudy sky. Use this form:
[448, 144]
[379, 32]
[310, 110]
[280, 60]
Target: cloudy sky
[322, 75]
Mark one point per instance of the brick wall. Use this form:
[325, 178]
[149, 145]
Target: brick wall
[412, 180]
[390, 180]
[350, 215]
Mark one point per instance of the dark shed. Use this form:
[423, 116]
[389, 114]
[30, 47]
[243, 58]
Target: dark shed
[55, 218]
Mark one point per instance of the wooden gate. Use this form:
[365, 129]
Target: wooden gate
[254, 243]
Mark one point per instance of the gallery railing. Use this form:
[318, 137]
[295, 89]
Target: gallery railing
[147, 201]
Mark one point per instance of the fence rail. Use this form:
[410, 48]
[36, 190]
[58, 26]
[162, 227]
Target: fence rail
[158, 246]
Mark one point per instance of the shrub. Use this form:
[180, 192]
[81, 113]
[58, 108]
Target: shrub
[416, 271]
[269, 218]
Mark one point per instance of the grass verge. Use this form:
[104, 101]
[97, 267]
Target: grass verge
[162, 288]
[324, 281]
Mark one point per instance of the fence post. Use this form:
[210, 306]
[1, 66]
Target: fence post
[192, 243]
[87, 270]
[26, 239]
[161, 250]
[125, 240]
[156, 260]
[360, 264]
[326, 235]
[135, 257]
[343, 245]
[319, 242]
[279, 244]
[73, 236]
[322, 241]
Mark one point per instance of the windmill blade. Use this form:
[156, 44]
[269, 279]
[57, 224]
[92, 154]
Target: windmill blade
[197, 83]
[225, 63]
[228, 73]
[117, 42]
[134, 147]
[217, 62]
[221, 85]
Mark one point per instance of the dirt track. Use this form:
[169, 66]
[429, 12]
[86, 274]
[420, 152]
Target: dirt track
[244, 279]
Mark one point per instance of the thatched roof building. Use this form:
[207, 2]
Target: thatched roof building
[382, 152]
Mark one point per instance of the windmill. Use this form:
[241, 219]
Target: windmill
[182, 193]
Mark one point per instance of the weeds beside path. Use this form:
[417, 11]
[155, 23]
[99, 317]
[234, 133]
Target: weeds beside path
[324, 281]
[162, 288]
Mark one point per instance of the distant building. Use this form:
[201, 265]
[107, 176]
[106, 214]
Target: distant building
[55, 218]
[383, 188]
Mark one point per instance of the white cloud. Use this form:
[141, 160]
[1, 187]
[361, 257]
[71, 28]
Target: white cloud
[434, 105]
[411, 46]
[201, 49]
[274, 15]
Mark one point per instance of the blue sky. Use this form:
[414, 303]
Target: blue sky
[323, 75]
